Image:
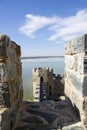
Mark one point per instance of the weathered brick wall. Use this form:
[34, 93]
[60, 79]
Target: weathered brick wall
[11, 91]
[76, 74]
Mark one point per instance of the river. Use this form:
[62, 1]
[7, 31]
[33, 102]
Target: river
[57, 64]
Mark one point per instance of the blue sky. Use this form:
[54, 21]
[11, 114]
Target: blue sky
[43, 27]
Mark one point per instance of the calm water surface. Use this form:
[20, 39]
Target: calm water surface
[28, 64]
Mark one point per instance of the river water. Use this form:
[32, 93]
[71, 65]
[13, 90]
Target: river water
[57, 64]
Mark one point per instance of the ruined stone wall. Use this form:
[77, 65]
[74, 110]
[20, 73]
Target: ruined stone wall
[11, 91]
[45, 73]
[76, 74]
[51, 83]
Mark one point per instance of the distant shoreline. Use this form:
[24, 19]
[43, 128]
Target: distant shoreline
[40, 57]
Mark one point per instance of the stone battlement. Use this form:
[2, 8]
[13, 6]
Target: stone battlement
[76, 74]
[77, 45]
[42, 70]
[46, 83]
[11, 90]
[9, 50]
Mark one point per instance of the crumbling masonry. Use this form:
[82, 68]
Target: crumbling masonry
[10, 81]
[47, 85]
[76, 74]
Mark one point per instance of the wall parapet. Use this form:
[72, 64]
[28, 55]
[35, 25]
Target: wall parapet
[76, 74]
[46, 83]
[11, 90]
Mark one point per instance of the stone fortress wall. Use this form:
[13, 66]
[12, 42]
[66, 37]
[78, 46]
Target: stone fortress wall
[76, 74]
[52, 85]
[11, 91]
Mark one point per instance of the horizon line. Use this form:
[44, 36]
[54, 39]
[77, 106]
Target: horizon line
[34, 57]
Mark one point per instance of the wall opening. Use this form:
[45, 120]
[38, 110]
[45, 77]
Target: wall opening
[50, 90]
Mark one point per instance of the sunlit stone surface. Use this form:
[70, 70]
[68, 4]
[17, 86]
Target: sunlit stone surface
[10, 81]
[76, 74]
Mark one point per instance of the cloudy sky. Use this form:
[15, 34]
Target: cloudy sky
[43, 27]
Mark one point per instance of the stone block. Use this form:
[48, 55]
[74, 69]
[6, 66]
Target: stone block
[77, 99]
[75, 96]
[77, 45]
[84, 85]
[9, 50]
[85, 64]
[18, 69]
[12, 56]
[15, 88]
[3, 72]
[6, 120]
[4, 95]
[69, 61]
[79, 82]
[75, 78]
[18, 50]
[68, 90]
[69, 48]
[85, 112]
[11, 71]
[4, 45]
[77, 62]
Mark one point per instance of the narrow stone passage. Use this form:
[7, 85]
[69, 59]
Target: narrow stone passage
[46, 115]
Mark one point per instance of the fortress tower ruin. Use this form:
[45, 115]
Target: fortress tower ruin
[46, 85]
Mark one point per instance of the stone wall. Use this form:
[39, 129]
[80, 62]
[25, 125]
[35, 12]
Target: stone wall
[11, 91]
[45, 80]
[45, 73]
[76, 74]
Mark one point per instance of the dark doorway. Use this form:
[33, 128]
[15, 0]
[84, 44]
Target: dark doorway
[50, 89]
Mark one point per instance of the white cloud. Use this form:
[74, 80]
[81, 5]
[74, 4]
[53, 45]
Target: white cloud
[63, 29]
[34, 23]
